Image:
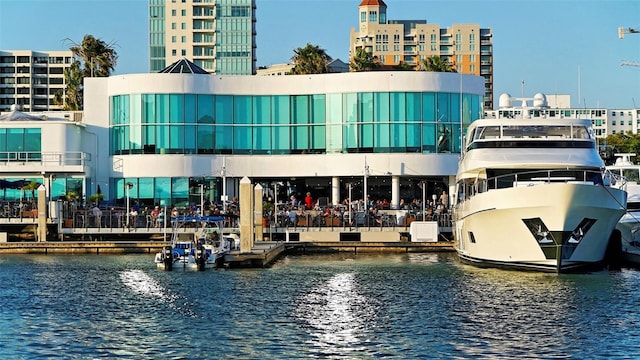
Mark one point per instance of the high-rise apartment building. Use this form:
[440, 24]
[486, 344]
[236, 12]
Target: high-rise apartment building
[395, 42]
[31, 78]
[217, 35]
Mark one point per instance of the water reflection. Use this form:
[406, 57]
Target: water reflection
[336, 314]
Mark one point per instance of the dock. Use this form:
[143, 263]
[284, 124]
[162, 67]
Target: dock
[263, 253]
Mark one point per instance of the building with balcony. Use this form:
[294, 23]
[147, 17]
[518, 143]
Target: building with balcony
[217, 35]
[394, 42]
[31, 78]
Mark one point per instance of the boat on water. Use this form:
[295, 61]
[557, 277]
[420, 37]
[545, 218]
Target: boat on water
[629, 224]
[532, 193]
[205, 249]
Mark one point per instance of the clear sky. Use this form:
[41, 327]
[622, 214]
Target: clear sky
[555, 47]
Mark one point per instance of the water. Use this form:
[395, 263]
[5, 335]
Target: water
[340, 306]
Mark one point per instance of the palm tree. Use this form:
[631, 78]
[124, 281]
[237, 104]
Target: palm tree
[71, 98]
[402, 66]
[437, 64]
[364, 61]
[310, 60]
[99, 58]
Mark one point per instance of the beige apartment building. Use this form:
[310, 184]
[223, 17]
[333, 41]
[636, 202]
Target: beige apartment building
[217, 35]
[395, 42]
[31, 78]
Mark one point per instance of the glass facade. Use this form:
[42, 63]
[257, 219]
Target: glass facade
[364, 122]
[156, 35]
[20, 144]
[235, 37]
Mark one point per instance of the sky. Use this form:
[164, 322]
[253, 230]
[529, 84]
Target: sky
[553, 46]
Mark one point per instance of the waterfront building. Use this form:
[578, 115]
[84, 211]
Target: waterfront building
[394, 42]
[180, 138]
[31, 78]
[217, 35]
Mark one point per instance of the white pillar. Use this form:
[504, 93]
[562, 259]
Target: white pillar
[246, 216]
[257, 204]
[335, 190]
[395, 191]
[42, 213]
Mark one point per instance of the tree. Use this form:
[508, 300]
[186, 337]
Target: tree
[310, 60]
[71, 98]
[437, 64]
[364, 61]
[98, 58]
[403, 67]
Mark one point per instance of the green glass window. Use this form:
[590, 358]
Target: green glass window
[223, 139]
[182, 105]
[205, 107]
[3, 142]
[429, 107]
[300, 109]
[429, 138]
[414, 106]
[242, 110]
[162, 108]
[281, 141]
[223, 109]
[33, 139]
[398, 106]
[205, 139]
[365, 103]
[318, 110]
[413, 137]
[242, 139]
[300, 138]
[318, 137]
[350, 140]
[149, 135]
[381, 139]
[180, 191]
[162, 139]
[176, 139]
[366, 135]
[454, 114]
[262, 139]
[334, 109]
[162, 189]
[15, 139]
[443, 111]
[262, 110]
[350, 107]
[398, 137]
[148, 108]
[381, 107]
[135, 109]
[145, 188]
[334, 136]
[190, 143]
[281, 110]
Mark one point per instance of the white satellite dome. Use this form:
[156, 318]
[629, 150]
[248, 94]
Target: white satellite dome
[539, 100]
[504, 101]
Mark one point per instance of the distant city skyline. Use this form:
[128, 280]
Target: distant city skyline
[554, 47]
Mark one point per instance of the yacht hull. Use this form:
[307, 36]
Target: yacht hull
[629, 226]
[556, 227]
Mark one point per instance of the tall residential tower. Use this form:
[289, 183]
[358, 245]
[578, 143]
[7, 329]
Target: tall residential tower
[468, 47]
[217, 35]
[31, 78]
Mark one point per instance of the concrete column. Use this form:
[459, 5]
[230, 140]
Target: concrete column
[335, 190]
[395, 191]
[42, 213]
[257, 206]
[246, 215]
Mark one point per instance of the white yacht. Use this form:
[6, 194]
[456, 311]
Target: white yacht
[629, 224]
[532, 192]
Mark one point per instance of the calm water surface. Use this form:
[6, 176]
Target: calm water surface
[341, 306]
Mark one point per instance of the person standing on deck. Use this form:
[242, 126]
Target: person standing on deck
[308, 201]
